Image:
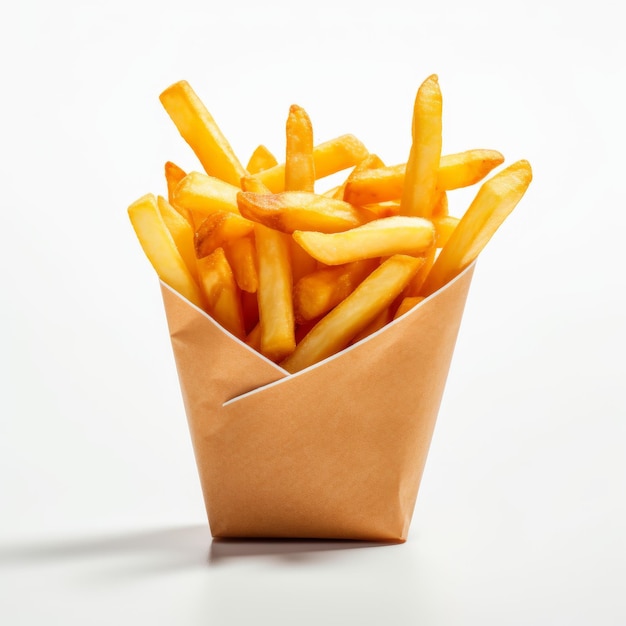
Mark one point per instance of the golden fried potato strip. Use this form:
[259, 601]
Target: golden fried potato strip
[200, 131]
[383, 237]
[274, 293]
[160, 248]
[288, 211]
[335, 330]
[422, 168]
[463, 169]
[299, 163]
[221, 292]
[202, 194]
[495, 200]
[241, 254]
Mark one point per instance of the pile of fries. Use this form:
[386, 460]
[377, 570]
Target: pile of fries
[300, 274]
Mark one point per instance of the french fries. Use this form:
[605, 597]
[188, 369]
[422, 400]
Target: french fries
[301, 273]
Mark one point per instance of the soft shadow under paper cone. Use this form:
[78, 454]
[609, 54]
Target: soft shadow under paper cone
[335, 451]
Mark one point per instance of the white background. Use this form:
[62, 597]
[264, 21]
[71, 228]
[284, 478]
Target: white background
[521, 514]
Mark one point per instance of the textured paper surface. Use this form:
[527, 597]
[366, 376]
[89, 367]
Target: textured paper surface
[334, 451]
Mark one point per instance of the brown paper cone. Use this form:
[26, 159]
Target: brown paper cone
[335, 451]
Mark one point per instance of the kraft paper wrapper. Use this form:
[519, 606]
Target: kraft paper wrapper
[335, 451]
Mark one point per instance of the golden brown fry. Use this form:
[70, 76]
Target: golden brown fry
[274, 293]
[160, 248]
[253, 338]
[181, 232]
[261, 159]
[219, 228]
[302, 263]
[241, 254]
[253, 185]
[440, 209]
[444, 227]
[335, 330]
[299, 164]
[420, 180]
[288, 211]
[329, 157]
[199, 130]
[221, 292]
[317, 293]
[466, 168]
[369, 186]
[382, 237]
[370, 162]
[204, 194]
[406, 305]
[495, 200]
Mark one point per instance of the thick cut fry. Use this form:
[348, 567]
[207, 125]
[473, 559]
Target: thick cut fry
[160, 248]
[299, 163]
[406, 305]
[181, 232]
[444, 227]
[329, 157]
[302, 263]
[261, 159]
[317, 293]
[221, 292]
[369, 186]
[370, 162]
[494, 201]
[199, 130]
[383, 237]
[335, 330]
[204, 194]
[466, 168]
[218, 229]
[420, 179]
[288, 211]
[274, 293]
[241, 254]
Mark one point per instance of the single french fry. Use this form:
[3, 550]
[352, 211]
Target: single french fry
[299, 163]
[317, 293]
[495, 200]
[203, 194]
[407, 304]
[288, 211]
[200, 131]
[219, 228]
[261, 159]
[382, 237]
[444, 227]
[221, 292]
[463, 169]
[370, 186]
[274, 293]
[370, 162]
[181, 232]
[160, 248]
[329, 157]
[241, 254]
[253, 338]
[253, 185]
[420, 179]
[335, 330]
